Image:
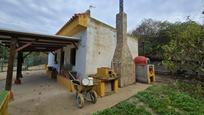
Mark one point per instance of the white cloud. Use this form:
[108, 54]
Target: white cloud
[40, 15]
[14, 2]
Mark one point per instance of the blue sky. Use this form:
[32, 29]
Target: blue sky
[48, 16]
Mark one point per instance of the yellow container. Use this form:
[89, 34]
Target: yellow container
[105, 72]
[151, 74]
[102, 71]
[66, 83]
[5, 96]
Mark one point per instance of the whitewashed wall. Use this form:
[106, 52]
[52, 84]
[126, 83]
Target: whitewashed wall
[101, 44]
[80, 55]
[133, 46]
[80, 66]
[96, 48]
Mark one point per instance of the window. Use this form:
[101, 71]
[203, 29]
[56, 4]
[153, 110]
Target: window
[73, 56]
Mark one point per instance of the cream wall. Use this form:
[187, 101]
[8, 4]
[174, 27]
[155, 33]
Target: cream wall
[80, 55]
[133, 46]
[96, 48]
[101, 44]
[80, 66]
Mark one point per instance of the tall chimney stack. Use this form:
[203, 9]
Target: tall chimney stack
[122, 61]
[121, 6]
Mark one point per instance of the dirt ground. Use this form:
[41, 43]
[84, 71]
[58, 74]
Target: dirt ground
[40, 95]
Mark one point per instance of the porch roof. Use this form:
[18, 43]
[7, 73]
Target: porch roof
[28, 42]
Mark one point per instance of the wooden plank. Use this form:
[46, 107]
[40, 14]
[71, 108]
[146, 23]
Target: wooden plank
[28, 35]
[76, 45]
[46, 46]
[45, 43]
[24, 46]
[38, 44]
[37, 50]
[12, 54]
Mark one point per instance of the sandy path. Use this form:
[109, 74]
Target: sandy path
[39, 95]
[31, 70]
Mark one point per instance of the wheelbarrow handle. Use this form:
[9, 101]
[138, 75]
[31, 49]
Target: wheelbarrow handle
[73, 78]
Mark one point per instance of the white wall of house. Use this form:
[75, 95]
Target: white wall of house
[96, 48]
[101, 44]
[80, 66]
[51, 60]
[133, 46]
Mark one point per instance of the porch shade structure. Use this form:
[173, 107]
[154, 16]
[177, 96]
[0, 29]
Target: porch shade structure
[19, 42]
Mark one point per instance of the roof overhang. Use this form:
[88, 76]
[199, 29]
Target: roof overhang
[76, 24]
[28, 42]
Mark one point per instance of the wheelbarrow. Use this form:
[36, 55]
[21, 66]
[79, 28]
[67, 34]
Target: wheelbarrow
[84, 91]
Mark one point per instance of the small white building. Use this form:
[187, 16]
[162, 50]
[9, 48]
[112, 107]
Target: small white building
[96, 47]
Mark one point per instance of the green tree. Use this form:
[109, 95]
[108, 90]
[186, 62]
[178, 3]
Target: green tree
[3, 56]
[3, 52]
[185, 48]
[179, 45]
[151, 37]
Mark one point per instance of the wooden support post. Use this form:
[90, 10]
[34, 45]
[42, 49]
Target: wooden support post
[12, 53]
[61, 59]
[19, 68]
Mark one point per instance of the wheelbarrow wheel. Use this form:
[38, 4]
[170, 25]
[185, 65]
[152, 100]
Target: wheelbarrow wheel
[93, 96]
[80, 100]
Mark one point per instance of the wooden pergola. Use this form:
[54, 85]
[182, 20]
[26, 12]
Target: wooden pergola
[19, 42]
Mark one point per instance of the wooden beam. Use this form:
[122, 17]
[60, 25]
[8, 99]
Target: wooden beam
[37, 50]
[76, 45]
[36, 36]
[46, 43]
[24, 46]
[49, 45]
[38, 44]
[53, 42]
[19, 65]
[12, 54]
